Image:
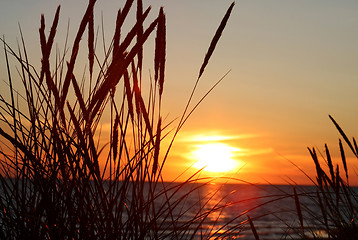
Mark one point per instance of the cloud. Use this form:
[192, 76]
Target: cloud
[252, 152]
[213, 136]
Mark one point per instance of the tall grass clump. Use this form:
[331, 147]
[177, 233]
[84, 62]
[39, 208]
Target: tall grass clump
[64, 174]
[330, 209]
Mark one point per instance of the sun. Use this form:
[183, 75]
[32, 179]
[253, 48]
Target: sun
[215, 157]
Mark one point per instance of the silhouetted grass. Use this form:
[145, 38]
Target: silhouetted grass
[61, 176]
[330, 209]
[335, 198]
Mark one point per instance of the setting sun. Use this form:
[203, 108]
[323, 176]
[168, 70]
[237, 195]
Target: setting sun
[215, 157]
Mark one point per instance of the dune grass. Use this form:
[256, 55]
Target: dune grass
[66, 176]
[329, 209]
[335, 198]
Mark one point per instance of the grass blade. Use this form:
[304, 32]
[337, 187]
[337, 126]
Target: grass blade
[215, 39]
[53, 29]
[343, 135]
[330, 165]
[91, 41]
[298, 208]
[343, 157]
[253, 228]
[157, 147]
[115, 137]
[139, 16]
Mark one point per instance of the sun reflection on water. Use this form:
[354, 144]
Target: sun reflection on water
[224, 203]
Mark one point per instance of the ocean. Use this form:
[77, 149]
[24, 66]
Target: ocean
[223, 210]
[216, 211]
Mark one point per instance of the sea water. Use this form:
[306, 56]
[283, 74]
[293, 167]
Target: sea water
[272, 209]
[210, 211]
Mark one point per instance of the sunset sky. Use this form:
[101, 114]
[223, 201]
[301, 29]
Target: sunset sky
[292, 63]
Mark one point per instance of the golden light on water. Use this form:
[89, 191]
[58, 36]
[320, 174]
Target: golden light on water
[215, 157]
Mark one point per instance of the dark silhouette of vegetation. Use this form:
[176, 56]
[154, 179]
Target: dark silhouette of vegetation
[61, 176]
[330, 209]
[334, 196]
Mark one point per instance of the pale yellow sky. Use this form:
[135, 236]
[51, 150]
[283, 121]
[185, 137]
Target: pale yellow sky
[292, 63]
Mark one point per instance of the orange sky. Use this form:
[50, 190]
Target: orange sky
[292, 63]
